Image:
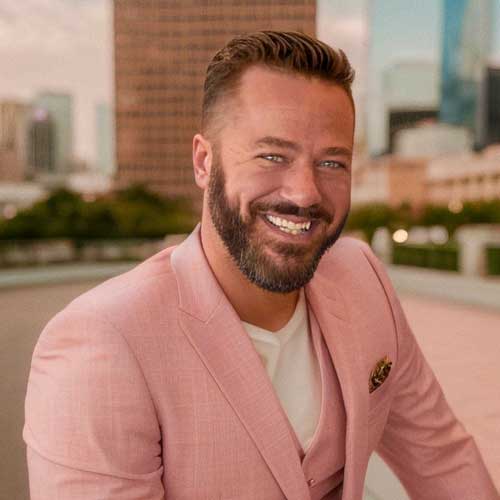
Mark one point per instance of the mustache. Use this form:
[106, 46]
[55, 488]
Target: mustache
[283, 208]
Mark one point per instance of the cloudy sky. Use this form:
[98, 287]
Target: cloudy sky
[66, 45]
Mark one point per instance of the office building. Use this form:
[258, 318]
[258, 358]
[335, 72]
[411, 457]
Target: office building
[42, 150]
[491, 112]
[465, 50]
[60, 111]
[162, 49]
[105, 139]
[431, 139]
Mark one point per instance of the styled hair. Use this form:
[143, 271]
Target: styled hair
[287, 51]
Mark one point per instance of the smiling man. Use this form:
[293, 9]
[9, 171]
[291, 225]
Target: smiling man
[263, 358]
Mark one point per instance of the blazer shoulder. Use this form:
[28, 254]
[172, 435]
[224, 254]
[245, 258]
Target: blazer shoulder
[128, 302]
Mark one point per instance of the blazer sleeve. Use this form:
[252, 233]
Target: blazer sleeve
[423, 442]
[90, 424]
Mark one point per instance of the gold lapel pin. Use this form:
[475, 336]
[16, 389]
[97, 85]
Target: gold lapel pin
[379, 373]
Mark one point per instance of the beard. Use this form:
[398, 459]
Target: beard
[247, 247]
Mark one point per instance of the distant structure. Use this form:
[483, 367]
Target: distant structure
[60, 110]
[432, 139]
[407, 93]
[491, 107]
[14, 117]
[411, 92]
[466, 46]
[446, 180]
[41, 142]
[105, 139]
[162, 49]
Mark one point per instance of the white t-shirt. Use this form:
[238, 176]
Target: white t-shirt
[290, 361]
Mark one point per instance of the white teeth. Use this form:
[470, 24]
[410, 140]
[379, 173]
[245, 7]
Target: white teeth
[289, 226]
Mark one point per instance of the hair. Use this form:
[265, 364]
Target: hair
[287, 51]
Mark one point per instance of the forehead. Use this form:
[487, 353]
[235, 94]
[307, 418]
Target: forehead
[271, 101]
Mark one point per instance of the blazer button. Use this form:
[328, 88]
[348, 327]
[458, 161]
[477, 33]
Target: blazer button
[311, 482]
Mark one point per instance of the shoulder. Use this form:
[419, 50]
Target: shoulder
[149, 285]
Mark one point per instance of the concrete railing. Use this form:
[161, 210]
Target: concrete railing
[21, 253]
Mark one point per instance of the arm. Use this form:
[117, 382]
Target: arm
[90, 424]
[424, 444]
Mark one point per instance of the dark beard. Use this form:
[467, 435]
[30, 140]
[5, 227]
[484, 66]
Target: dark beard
[246, 251]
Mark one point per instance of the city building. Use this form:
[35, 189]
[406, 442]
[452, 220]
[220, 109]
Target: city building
[448, 179]
[60, 110]
[14, 117]
[429, 139]
[389, 179]
[162, 49]
[411, 94]
[105, 139]
[41, 143]
[491, 109]
[453, 179]
[408, 93]
[465, 51]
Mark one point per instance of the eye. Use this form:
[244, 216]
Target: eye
[332, 164]
[274, 158]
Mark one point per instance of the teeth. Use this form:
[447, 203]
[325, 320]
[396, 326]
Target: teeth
[289, 226]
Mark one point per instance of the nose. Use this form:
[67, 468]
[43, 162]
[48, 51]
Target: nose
[300, 186]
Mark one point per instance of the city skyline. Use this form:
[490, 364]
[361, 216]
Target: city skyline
[66, 46]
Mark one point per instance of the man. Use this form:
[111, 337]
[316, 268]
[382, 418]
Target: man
[237, 365]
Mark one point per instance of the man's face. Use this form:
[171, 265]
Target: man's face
[279, 188]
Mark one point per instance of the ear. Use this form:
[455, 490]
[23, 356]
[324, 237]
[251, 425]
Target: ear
[202, 160]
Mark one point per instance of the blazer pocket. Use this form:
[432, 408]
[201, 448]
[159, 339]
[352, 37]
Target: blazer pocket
[378, 400]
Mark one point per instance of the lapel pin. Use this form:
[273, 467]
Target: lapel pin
[379, 373]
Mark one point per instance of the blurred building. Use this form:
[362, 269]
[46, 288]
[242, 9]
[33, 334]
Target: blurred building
[466, 46]
[41, 143]
[491, 107]
[390, 179]
[60, 110]
[105, 140]
[162, 49]
[453, 179]
[449, 179]
[431, 139]
[14, 117]
[411, 94]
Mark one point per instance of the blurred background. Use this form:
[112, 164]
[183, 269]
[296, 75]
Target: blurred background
[99, 101]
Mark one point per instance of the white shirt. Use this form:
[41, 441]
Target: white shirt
[290, 361]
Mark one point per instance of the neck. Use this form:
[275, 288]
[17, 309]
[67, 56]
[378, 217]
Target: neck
[254, 305]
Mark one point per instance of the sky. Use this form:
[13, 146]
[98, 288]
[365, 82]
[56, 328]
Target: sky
[66, 46]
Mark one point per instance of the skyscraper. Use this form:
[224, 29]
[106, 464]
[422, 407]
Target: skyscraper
[41, 143]
[492, 108]
[162, 48]
[466, 46]
[60, 109]
[105, 141]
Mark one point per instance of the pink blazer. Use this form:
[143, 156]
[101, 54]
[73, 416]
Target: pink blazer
[147, 387]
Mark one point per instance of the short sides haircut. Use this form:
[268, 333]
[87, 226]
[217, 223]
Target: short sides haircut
[287, 51]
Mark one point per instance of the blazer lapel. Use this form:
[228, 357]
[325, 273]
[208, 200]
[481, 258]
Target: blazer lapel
[345, 348]
[215, 331]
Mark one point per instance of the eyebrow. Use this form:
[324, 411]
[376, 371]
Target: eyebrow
[286, 144]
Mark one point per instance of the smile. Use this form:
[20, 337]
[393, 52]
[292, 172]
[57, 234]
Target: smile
[288, 226]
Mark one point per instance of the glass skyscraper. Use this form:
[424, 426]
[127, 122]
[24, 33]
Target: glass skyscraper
[466, 46]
